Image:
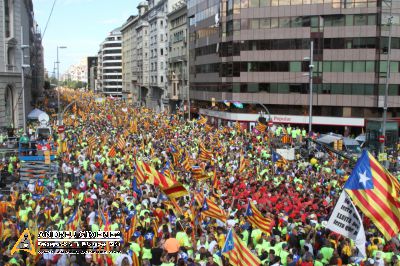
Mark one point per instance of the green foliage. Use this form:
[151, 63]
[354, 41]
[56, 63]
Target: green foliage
[74, 84]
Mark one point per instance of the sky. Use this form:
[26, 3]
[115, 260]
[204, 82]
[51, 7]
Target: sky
[80, 25]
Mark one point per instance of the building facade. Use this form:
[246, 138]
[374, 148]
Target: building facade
[135, 55]
[158, 50]
[177, 56]
[92, 63]
[21, 59]
[253, 51]
[128, 31]
[77, 72]
[109, 70]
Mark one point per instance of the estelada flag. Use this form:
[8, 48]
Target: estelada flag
[210, 209]
[376, 192]
[237, 252]
[256, 219]
[202, 120]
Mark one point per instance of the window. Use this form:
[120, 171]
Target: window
[371, 19]
[382, 67]
[161, 51]
[265, 23]
[327, 66]
[236, 24]
[357, 89]
[265, 3]
[263, 87]
[244, 24]
[348, 66]
[283, 88]
[295, 67]
[349, 20]
[394, 67]
[336, 88]
[284, 22]
[297, 22]
[252, 87]
[254, 3]
[244, 3]
[161, 78]
[370, 66]
[360, 20]
[337, 66]
[274, 23]
[254, 24]
[393, 90]
[338, 20]
[369, 89]
[252, 66]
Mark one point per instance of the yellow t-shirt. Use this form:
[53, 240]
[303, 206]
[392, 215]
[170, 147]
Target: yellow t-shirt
[221, 240]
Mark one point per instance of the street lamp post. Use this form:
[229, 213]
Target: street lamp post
[58, 85]
[310, 78]
[385, 104]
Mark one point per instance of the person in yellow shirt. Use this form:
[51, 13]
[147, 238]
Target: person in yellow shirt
[373, 246]
[221, 237]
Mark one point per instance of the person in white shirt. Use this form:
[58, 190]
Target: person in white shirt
[91, 217]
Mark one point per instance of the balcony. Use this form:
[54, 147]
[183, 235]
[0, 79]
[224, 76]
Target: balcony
[171, 96]
[11, 68]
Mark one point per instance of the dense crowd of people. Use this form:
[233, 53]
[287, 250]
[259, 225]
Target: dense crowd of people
[99, 189]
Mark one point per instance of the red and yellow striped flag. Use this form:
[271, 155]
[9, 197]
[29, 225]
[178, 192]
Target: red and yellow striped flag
[198, 173]
[205, 154]
[92, 140]
[237, 252]
[121, 143]
[376, 194]
[256, 219]
[173, 189]
[134, 128]
[215, 180]
[286, 139]
[187, 163]
[210, 209]
[112, 152]
[208, 128]
[135, 259]
[261, 127]
[202, 120]
[243, 164]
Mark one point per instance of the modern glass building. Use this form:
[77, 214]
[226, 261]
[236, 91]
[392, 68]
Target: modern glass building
[255, 51]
